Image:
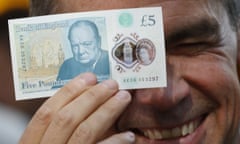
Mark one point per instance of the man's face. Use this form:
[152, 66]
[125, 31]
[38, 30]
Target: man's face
[84, 44]
[200, 104]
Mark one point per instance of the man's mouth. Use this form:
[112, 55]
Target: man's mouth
[170, 133]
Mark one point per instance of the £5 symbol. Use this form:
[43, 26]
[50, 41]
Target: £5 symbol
[148, 20]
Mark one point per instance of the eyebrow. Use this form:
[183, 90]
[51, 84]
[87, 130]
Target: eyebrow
[204, 28]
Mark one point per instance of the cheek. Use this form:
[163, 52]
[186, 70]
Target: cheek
[213, 77]
[218, 81]
[91, 51]
[74, 50]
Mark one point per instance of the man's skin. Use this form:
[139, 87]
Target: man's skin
[200, 104]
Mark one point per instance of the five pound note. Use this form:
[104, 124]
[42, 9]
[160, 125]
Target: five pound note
[126, 45]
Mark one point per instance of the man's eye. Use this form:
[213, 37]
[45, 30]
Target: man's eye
[87, 44]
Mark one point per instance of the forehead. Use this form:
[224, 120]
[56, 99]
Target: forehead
[82, 28]
[88, 5]
[175, 12]
[81, 32]
[172, 9]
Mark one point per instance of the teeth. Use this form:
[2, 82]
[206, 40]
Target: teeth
[151, 134]
[176, 132]
[172, 133]
[191, 128]
[157, 134]
[166, 134]
[184, 130]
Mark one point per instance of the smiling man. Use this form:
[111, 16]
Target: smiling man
[200, 104]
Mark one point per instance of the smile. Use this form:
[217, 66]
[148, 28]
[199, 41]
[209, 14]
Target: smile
[172, 133]
[164, 134]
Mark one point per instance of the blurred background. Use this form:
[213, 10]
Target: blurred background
[14, 115]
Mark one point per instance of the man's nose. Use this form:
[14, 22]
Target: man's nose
[168, 97]
[81, 48]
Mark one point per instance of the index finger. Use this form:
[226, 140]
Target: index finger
[40, 121]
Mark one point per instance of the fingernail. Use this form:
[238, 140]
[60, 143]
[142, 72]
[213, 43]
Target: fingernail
[111, 84]
[130, 136]
[123, 95]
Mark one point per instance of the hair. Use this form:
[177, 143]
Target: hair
[233, 10]
[45, 7]
[81, 23]
[41, 7]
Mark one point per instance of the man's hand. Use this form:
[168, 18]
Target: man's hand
[79, 113]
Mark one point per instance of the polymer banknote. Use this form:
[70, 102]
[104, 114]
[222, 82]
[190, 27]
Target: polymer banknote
[126, 45]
